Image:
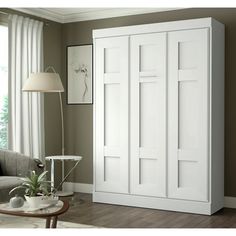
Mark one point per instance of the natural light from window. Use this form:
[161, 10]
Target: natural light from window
[3, 87]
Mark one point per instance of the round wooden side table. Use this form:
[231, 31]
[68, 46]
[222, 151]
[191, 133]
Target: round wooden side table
[50, 213]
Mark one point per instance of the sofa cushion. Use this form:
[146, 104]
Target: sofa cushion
[7, 183]
[16, 164]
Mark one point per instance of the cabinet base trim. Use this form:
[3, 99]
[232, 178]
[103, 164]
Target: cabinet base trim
[154, 203]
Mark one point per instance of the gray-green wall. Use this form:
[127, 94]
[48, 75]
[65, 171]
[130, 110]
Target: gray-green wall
[52, 41]
[52, 56]
[79, 117]
[52, 121]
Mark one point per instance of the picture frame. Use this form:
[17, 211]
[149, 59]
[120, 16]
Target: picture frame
[79, 70]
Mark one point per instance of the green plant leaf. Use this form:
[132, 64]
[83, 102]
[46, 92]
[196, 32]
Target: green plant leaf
[18, 187]
[42, 176]
[34, 184]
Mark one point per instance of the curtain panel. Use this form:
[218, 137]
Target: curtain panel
[26, 112]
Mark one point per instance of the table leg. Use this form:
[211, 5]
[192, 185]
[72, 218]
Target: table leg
[54, 222]
[52, 175]
[62, 172]
[48, 222]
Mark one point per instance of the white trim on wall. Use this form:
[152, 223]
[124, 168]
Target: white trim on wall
[78, 187]
[94, 14]
[230, 202]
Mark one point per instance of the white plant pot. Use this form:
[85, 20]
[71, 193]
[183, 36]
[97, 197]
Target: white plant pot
[34, 202]
[50, 199]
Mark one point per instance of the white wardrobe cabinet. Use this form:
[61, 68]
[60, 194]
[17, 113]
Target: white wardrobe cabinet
[159, 116]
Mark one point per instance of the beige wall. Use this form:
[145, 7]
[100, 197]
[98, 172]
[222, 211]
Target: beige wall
[79, 117]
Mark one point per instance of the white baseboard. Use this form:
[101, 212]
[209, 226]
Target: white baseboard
[78, 187]
[230, 202]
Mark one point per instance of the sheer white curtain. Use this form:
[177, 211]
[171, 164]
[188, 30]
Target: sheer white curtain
[26, 123]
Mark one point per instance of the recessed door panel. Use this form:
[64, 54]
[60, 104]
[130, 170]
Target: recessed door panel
[112, 60]
[111, 115]
[111, 93]
[188, 114]
[148, 115]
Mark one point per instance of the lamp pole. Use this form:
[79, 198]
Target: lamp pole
[62, 138]
[62, 127]
[62, 130]
[62, 116]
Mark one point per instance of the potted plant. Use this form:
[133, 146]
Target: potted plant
[36, 189]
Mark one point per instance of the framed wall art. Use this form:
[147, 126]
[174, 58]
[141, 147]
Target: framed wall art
[80, 74]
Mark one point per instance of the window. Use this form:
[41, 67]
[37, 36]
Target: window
[3, 87]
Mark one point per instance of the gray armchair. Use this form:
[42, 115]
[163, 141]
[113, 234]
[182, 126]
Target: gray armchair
[13, 166]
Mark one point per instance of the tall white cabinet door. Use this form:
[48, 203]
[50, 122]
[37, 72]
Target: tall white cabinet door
[148, 114]
[188, 55]
[111, 116]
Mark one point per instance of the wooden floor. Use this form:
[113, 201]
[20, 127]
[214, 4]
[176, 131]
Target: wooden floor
[82, 210]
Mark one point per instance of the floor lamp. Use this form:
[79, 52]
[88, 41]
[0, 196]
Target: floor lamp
[48, 82]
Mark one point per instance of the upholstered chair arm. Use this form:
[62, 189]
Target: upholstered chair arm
[16, 164]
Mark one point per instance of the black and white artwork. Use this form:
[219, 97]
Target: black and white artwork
[79, 74]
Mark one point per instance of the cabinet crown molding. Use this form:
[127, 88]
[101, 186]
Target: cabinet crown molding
[157, 27]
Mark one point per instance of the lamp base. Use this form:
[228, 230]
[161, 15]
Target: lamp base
[64, 194]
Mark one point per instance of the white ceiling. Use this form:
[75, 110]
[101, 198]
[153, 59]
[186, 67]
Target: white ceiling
[66, 15]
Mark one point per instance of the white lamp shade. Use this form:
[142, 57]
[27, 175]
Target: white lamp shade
[43, 82]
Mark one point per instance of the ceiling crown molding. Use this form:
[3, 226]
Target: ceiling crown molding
[43, 13]
[84, 14]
